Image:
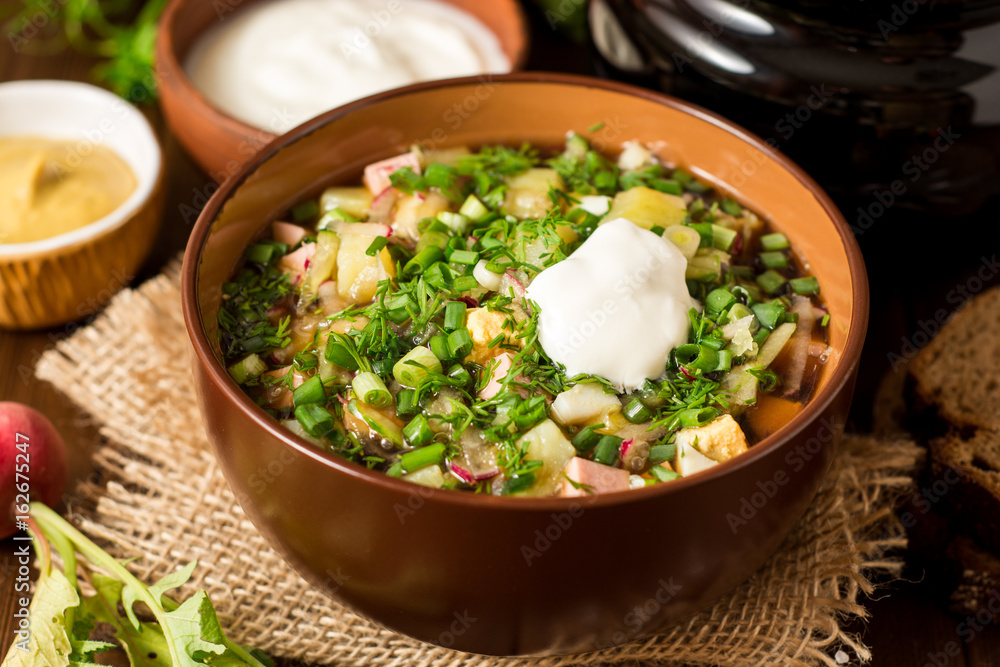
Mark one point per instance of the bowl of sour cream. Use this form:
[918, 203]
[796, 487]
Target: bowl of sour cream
[233, 75]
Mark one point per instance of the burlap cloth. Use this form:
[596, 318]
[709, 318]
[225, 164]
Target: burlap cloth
[160, 495]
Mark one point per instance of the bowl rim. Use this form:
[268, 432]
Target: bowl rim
[205, 356]
[144, 188]
[169, 70]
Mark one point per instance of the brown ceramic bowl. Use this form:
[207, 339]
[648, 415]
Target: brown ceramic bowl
[510, 576]
[219, 143]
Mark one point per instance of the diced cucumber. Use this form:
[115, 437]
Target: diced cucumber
[355, 201]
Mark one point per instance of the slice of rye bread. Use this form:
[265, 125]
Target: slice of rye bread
[957, 375]
[966, 471]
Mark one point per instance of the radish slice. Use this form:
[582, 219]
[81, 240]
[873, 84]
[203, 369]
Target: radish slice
[287, 233]
[377, 174]
[295, 263]
[382, 205]
[498, 367]
[798, 346]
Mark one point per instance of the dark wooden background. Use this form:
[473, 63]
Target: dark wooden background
[907, 627]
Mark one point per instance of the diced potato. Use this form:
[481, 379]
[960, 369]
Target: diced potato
[448, 156]
[427, 476]
[719, 440]
[484, 325]
[583, 403]
[547, 443]
[358, 274]
[689, 460]
[647, 208]
[354, 201]
[528, 193]
[411, 209]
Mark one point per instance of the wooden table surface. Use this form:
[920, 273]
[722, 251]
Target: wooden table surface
[906, 629]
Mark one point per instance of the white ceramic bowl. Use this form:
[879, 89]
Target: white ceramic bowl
[68, 276]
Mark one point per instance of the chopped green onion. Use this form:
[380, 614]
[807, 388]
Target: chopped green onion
[656, 229]
[719, 300]
[426, 225]
[438, 275]
[307, 210]
[310, 391]
[723, 237]
[474, 209]
[694, 417]
[439, 346]
[338, 353]
[775, 241]
[460, 373]
[825, 321]
[704, 230]
[454, 315]
[459, 343]
[464, 284]
[586, 439]
[745, 295]
[773, 259]
[262, 253]
[637, 412]
[466, 257]
[332, 217]
[371, 390]
[696, 356]
[433, 239]
[608, 449]
[662, 474]
[422, 260]
[738, 312]
[425, 456]
[418, 432]
[771, 281]
[376, 245]
[714, 341]
[439, 175]
[250, 366]
[456, 222]
[406, 403]
[668, 186]
[725, 362]
[761, 336]
[660, 453]
[791, 317]
[315, 419]
[732, 207]
[519, 483]
[769, 314]
[415, 366]
[806, 286]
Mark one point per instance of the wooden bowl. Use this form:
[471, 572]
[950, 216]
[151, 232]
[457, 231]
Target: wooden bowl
[220, 143]
[66, 277]
[536, 576]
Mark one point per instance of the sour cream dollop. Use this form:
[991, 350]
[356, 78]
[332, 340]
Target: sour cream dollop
[278, 63]
[616, 307]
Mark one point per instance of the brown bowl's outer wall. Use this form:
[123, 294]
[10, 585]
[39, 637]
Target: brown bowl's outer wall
[46, 289]
[219, 143]
[514, 576]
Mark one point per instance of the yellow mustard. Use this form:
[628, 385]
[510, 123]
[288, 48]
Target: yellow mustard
[50, 186]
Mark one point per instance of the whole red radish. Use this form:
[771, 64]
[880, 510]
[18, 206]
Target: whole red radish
[32, 462]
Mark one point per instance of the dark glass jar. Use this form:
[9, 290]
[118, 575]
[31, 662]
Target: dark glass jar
[891, 105]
